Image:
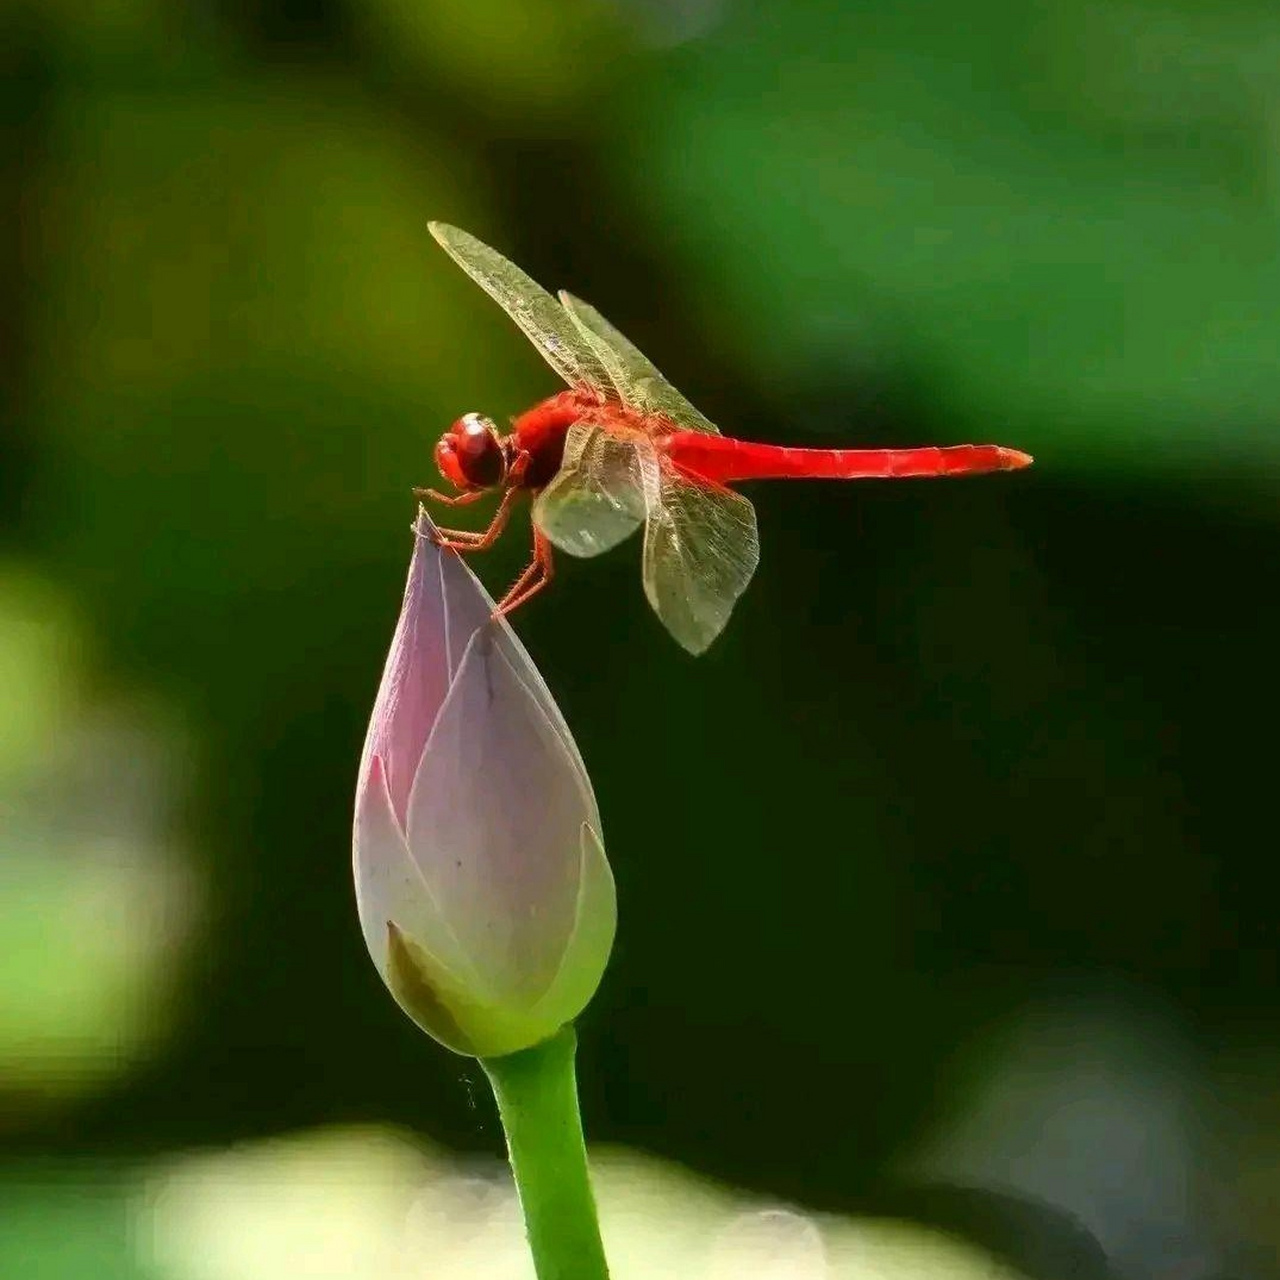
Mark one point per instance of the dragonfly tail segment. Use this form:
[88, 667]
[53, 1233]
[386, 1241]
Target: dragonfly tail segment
[724, 460]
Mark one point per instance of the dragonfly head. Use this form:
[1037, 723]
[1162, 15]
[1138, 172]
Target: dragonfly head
[470, 455]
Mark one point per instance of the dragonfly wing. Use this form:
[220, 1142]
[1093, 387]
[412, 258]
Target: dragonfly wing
[597, 498]
[544, 321]
[612, 361]
[639, 383]
[700, 550]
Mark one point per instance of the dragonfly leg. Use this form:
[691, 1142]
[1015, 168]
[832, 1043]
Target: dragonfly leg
[516, 591]
[450, 499]
[540, 571]
[516, 475]
[469, 540]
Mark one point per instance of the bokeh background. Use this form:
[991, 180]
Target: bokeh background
[947, 878]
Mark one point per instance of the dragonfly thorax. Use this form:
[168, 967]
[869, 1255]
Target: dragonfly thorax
[470, 455]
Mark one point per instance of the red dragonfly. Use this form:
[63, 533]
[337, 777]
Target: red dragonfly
[622, 447]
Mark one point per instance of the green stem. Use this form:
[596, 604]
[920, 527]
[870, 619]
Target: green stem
[537, 1097]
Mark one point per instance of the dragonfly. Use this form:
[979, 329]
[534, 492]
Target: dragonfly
[622, 448]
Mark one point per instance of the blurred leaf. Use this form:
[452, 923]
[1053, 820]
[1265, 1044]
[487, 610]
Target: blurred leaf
[242, 224]
[500, 58]
[1091, 1102]
[40, 643]
[343, 1205]
[69, 1223]
[82, 978]
[93, 904]
[1073, 227]
[248, 341]
[146, 40]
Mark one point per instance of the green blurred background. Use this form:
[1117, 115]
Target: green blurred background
[952, 864]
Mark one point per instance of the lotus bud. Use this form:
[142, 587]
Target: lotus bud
[484, 894]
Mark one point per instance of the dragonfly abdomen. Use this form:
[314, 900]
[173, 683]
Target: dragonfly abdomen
[724, 460]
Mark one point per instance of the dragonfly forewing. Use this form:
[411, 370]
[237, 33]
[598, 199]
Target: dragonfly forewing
[542, 319]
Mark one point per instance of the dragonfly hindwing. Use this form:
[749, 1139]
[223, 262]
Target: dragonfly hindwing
[700, 550]
[638, 381]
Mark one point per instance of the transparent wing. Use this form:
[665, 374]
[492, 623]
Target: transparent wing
[544, 321]
[700, 550]
[597, 498]
[638, 382]
[700, 543]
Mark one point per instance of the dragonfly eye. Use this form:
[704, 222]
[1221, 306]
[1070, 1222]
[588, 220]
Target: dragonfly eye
[470, 455]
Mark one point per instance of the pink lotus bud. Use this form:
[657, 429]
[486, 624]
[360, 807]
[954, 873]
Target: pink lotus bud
[484, 893]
